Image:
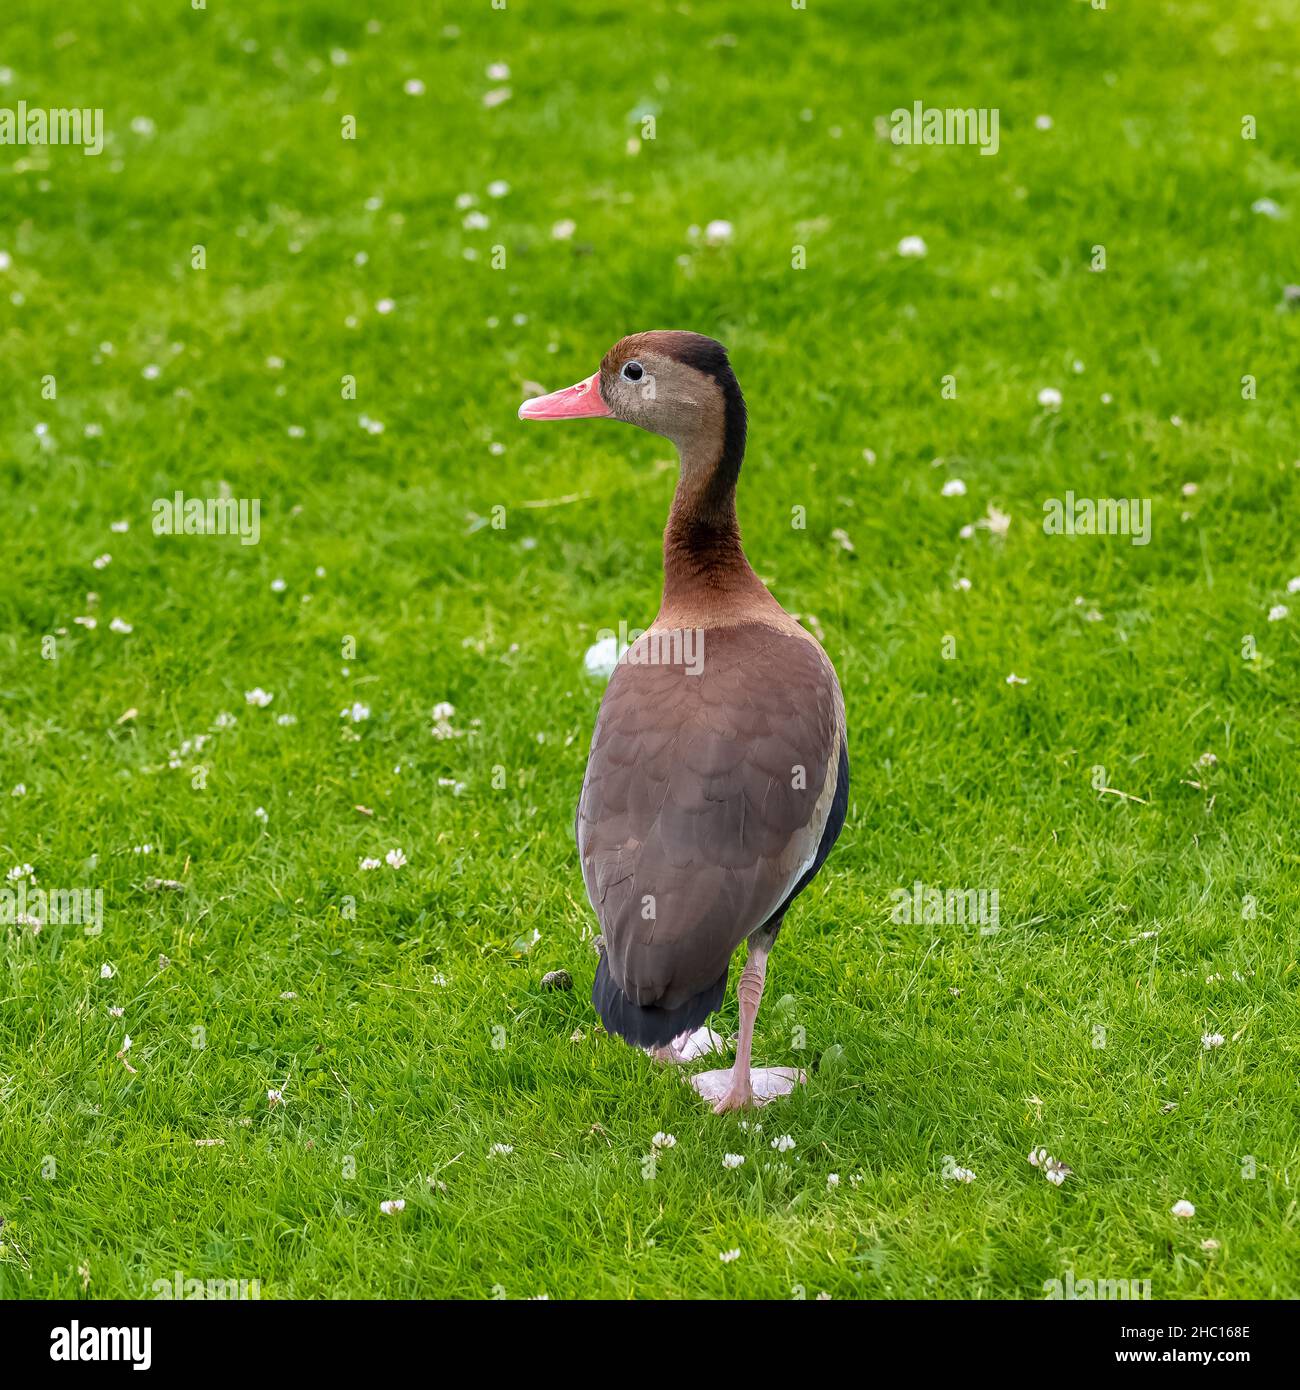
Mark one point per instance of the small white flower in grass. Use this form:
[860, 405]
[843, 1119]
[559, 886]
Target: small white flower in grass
[465, 200]
[259, 697]
[444, 709]
[498, 188]
[102, 562]
[732, 1160]
[142, 849]
[278, 586]
[339, 57]
[20, 789]
[783, 1143]
[475, 221]
[391, 1208]
[1210, 1040]
[288, 994]
[20, 871]
[119, 526]
[718, 232]
[126, 1043]
[1190, 489]
[260, 814]
[498, 72]
[962, 1175]
[116, 1011]
[356, 712]
[963, 584]
[966, 532]
[5, 260]
[1207, 760]
[142, 125]
[832, 1181]
[1210, 1245]
[1183, 1208]
[912, 247]
[1014, 679]
[664, 1141]
[274, 1098]
[726, 1256]
[1076, 367]
[496, 96]
[106, 971]
[88, 623]
[501, 1150]
[1277, 612]
[120, 625]
[385, 306]
[601, 658]
[1106, 398]
[1043, 122]
[1266, 207]
[395, 859]
[1049, 398]
[284, 720]
[369, 864]
[954, 487]
[151, 372]
[413, 87]
[564, 229]
[225, 720]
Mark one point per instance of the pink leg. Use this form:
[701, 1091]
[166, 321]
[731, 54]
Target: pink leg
[749, 990]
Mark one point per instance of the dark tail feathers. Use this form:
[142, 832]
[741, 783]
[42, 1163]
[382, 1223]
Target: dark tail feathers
[652, 1026]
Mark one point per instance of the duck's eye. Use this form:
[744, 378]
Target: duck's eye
[633, 371]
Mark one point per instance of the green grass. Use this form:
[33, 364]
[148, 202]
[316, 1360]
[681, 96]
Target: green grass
[942, 1040]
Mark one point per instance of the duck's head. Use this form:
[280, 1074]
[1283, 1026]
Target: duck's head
[679, 385]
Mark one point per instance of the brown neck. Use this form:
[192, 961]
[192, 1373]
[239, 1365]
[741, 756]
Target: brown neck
[706, 574]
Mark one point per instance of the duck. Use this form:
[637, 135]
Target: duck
[717, 781]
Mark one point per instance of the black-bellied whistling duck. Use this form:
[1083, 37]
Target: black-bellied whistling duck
[719, 776]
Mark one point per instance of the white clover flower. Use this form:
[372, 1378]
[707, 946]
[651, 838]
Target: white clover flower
[498, 188]
[385, 306]
[954, 487]
[259, 697]
[391, 1208]
[732, 1160]
[120, 625]
[395, 859]
[1183, 1208]
[1049, 398]
[356, 712]
[106, 971]
[1210, 1040]
[1277, 612]
[726, 1256]
[564, 229]
[501, 1150]
[496, 96]
[718, 232]
[369, 864]
[832, 1180]
[783, 1143]
[664, 1141]
[413, 87]
[912, 247]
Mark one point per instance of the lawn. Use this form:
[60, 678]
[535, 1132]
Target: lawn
[310, 1038]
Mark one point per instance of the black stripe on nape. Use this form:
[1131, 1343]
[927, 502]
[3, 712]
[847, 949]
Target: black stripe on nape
[710, 357]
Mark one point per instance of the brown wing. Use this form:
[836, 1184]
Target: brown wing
[704, 801]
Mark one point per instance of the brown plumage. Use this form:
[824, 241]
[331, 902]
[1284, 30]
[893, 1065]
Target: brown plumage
[718, 775]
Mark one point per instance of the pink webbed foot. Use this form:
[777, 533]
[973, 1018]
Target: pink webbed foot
[731, 1092]
[686, 1047]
